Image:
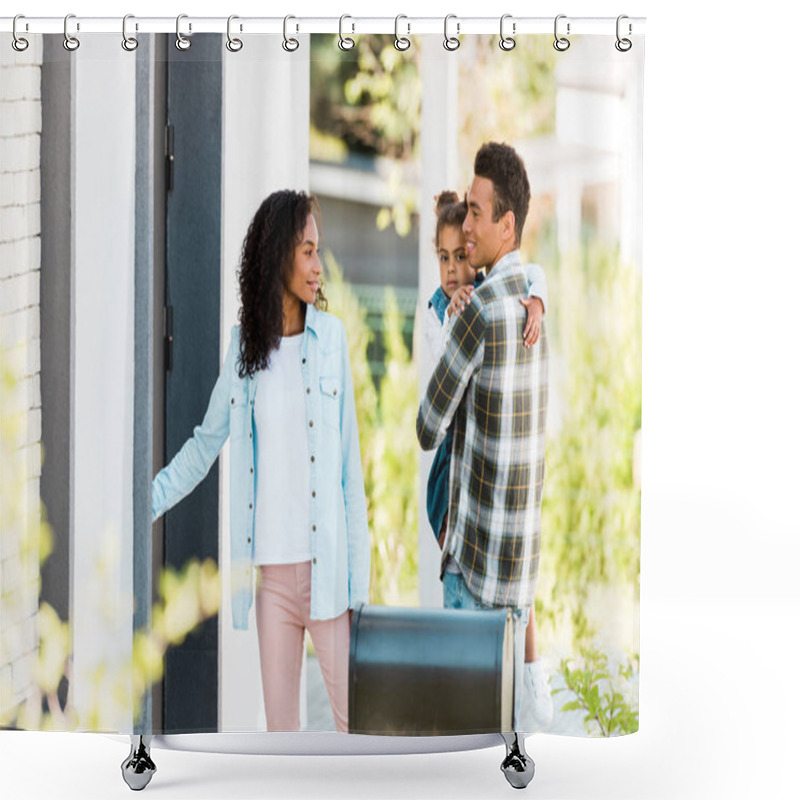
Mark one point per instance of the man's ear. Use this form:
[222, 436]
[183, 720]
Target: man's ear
[509, 230]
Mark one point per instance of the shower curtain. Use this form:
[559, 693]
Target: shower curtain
[129, 180]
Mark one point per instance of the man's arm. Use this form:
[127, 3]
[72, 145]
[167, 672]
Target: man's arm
[463, 355]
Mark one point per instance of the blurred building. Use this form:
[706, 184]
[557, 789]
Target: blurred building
[352, 194]
[588, 165]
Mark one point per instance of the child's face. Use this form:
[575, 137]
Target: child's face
[454, 268]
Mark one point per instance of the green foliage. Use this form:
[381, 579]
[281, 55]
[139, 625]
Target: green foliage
[399, 214]
[368, 101]
[394, 484]
[591, 503]
[389, 451]
[388, 84]
[343, 302]
[117, 689]
[368, 97]
[609, 711]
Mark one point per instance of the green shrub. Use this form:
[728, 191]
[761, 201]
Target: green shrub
[389, 450]
[591, 502]
[609, 712]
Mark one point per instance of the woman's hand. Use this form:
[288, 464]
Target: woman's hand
[533, 324]
[460, 299]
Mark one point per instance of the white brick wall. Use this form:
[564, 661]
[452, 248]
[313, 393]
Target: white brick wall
[20, 261]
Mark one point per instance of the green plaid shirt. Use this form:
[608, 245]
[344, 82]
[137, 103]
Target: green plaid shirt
[494, 390]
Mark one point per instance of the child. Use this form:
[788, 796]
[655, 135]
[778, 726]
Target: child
[457, 280]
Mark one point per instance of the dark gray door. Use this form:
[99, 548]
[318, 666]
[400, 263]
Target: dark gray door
[193, 232]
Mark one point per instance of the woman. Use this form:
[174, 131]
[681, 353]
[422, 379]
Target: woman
[298, 510]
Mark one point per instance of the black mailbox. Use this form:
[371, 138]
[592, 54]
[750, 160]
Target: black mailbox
[423, 671]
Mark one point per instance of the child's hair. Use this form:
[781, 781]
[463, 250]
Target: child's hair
[449, 211]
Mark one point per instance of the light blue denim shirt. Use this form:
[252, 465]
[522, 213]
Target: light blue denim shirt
[340, 549]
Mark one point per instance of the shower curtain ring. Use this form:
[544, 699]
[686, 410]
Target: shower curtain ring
[345, 42]
[234, 45]
[623, 45]
[451, 43]
[129, 43]
[289, 44]
[181, 42]
[401, 43]
[507, 42]
[70, 42]
[560, 43]
[18, 43]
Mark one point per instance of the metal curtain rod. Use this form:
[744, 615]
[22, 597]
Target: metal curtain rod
[304, 25]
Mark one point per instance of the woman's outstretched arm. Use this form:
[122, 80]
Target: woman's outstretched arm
[193, 461]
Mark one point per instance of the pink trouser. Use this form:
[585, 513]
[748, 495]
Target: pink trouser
[283, 614]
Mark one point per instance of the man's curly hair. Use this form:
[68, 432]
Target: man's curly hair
[264, 273]
[501, 164]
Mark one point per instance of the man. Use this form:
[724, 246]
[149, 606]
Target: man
[494, 389]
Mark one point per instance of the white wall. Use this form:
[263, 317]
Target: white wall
[103, 165]
[265, 148]
[20, 260]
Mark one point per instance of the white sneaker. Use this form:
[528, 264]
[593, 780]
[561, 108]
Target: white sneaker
[537, 702]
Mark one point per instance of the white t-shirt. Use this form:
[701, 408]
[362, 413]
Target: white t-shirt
[283, 487]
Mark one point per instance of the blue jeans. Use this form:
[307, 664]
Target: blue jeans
[456, 594]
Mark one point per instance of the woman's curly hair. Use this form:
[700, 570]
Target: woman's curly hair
[264, 273]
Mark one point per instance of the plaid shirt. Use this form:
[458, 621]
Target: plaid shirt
[494, 389]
